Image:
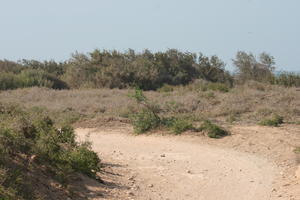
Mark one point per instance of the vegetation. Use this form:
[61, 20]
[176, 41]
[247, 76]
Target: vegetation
[148, 119]
[178, 125]
[297, 150]
[275, 120]
[37, 141]
[248, 103]
[31, 145]
[146, 70]
[144, 121]
[288, 79]
[212, 130]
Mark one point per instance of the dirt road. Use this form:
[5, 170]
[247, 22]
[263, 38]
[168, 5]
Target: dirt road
[174, 168]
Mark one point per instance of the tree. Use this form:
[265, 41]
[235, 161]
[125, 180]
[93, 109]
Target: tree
[249, 68]
[213, 69]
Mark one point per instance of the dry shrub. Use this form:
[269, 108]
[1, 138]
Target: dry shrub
[246, 103]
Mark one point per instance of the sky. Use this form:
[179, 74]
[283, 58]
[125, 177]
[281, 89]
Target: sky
[44, 30]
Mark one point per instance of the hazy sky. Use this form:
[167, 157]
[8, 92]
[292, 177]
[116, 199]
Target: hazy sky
[53, 29]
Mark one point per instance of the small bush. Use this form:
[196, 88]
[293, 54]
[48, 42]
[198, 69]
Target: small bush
[212, 130]
[276, 120]
[144, 121]
[147, 118]
[84, 160]
[178, 126]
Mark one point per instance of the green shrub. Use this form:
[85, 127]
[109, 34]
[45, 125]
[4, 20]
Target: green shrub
[40, 78]
[147, 118]
[144, 121]
[275, 120]
[67, 135]
[212, 130]
[8, 81]
[14, 185]
[84, 160]
[178, 126]
[24, 136]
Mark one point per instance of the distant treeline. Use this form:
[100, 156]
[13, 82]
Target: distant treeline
[146, 70]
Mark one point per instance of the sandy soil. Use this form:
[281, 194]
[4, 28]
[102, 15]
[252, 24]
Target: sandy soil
[253, 163]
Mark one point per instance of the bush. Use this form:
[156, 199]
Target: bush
[144, 121]
[66, 135]
[212, 130]
[276, 120]
[178, 126]
[14, 185]
[23, 137]
[287, 79]
[39, 78]
[250, 68]
[113, 69]
[8, 81]
[84, 160]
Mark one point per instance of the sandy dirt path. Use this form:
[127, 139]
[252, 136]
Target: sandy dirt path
[166, 167]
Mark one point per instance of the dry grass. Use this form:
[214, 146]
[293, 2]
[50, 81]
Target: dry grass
[249, 103]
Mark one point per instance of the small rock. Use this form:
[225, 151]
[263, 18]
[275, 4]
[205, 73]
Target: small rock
[188, 171]
[162, 155]
[150, 186]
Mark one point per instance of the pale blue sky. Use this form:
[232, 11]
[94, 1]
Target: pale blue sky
[53, 29]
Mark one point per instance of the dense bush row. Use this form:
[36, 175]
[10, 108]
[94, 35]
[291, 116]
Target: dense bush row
[30, 145]
[146, 70]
